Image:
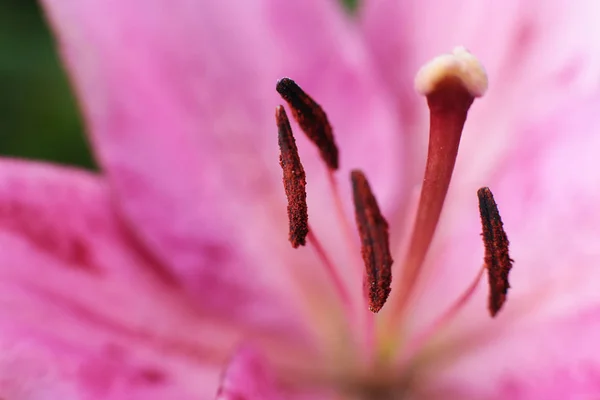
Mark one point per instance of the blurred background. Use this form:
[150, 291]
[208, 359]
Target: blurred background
[38, 113]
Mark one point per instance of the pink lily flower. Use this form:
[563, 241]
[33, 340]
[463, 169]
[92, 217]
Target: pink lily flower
[169, 275]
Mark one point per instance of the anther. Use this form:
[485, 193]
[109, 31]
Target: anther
[497, 259]
[311, 118]
[294, 180]
[450, 83]
[373, 231]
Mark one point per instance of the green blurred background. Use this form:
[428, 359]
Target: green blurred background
[38, 114]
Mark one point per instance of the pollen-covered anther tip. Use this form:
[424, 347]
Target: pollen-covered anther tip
[375, 243]
[495, 242]
[459, 65]
[312, 119]
[294, 180]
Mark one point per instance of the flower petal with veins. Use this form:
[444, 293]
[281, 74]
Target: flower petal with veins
[80, 306]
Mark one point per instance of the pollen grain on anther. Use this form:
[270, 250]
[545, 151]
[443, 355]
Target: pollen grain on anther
[373, 231]
[294, 180]
[495, 241]
[312, 119]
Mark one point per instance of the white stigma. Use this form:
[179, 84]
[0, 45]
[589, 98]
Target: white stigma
[459, 64]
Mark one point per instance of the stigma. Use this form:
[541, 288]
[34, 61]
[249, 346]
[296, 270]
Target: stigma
[460, 65]
[450, 83]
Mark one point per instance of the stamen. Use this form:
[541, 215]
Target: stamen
[312, 119]
[294, 180]
[373, 230]
[450, 84]
[497, 259]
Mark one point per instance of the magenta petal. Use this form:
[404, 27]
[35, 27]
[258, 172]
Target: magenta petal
[180, 95]
[247, 377]
[84, 315]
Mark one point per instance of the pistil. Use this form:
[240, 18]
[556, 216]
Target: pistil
[450, 83]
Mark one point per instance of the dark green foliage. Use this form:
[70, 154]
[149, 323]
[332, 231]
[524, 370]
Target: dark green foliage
[38, 114]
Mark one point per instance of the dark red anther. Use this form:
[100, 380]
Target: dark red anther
[312, 119]
[294, 180]
[373, 231]
[497, 259]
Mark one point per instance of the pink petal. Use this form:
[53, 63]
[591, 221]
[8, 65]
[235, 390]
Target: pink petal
[247, 378]
[536, 54]
[556, 360]
[84, 314]
[180, 96]
[28, 372]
